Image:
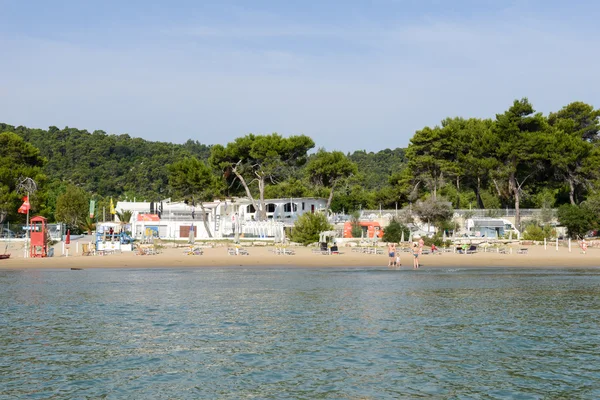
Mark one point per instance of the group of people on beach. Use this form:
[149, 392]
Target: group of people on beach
[394, 256]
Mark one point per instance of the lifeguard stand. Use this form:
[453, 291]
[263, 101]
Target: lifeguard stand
[38, 232]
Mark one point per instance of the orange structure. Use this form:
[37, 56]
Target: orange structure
[371, 229]
[38, 232]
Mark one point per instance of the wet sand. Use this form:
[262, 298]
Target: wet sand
[265, 256]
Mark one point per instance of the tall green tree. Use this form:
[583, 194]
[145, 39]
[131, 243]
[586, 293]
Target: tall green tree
[376, 168]
[436, 212]
[17, 159]
[476, 155]
[578, 119]
[577, 219]
[291, 187]
[427, 158]
[574, 156]
[194, 180]
[327, 169]
[261, 159]
[72, 207]
[520, 141]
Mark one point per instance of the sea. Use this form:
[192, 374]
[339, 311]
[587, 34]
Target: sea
[300, 333]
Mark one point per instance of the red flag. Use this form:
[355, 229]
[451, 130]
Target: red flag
[25, 206]
[68, 237]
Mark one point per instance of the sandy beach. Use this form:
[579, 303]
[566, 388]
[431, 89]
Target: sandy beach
[175, 257]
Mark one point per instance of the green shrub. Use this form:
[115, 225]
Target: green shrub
[393, 232]
[437, 239]
[356, 230]
[536, 232]
[578, 220]
[308, 227]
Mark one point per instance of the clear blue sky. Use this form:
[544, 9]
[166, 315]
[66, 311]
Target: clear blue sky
[353, 75]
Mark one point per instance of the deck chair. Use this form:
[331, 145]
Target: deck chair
[138, 250]
[243, 252]
[194, 251]
[472, 249]
[231, 251]
[87, 249]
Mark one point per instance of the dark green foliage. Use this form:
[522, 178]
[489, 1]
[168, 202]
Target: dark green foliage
[376, 168]
[260, 160]
[18, 159]
[393, 232]
[327, 169]
[108, 165]
[435, 212]
[72, 208]
[291, 187]
[437, 239]
[578, 220]
[536, 232]
[308, 227]
[519, 159]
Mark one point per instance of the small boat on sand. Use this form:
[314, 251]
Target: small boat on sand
[4, 256]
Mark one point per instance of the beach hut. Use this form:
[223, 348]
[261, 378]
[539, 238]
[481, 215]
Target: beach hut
[39, 236]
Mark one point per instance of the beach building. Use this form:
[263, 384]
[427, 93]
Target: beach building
[489, 227]
[228, 218]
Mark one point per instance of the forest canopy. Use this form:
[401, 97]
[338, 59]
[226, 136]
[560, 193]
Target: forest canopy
[518, 159]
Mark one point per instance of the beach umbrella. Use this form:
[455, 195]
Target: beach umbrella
[192, 236]
[236, 231]
[510, 235]
[402, 237]
[410, 237]
[444, 238]
[68, 237]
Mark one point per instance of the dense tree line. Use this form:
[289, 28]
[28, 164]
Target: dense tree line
[518, 159]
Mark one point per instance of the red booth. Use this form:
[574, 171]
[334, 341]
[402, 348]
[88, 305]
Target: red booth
[38, 233]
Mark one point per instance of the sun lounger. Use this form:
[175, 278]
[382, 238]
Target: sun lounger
[472, 249]
[522, 251]
[87, 249]
[239, 251]
[194, 251]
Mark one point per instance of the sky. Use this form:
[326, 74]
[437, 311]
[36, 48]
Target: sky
[352, 75]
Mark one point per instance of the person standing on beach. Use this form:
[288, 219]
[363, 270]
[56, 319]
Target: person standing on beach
[416, 252]
[392, 254]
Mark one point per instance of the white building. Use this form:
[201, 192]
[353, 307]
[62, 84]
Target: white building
[174, 220]
[489, 227]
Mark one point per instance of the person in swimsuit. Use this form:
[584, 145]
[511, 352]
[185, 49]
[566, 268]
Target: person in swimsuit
[392, 254]
[415, 251]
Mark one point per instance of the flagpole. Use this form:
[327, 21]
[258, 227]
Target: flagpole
[26, 185]
[28, 233]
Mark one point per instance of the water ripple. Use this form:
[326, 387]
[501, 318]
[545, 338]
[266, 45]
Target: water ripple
[297, 333]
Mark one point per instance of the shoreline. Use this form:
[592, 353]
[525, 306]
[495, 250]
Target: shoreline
[536, 257]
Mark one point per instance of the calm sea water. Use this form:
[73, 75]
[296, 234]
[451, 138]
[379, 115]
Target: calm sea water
[273, 333]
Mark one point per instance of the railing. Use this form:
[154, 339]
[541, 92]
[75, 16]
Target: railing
[490, 213]
[180, 216]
